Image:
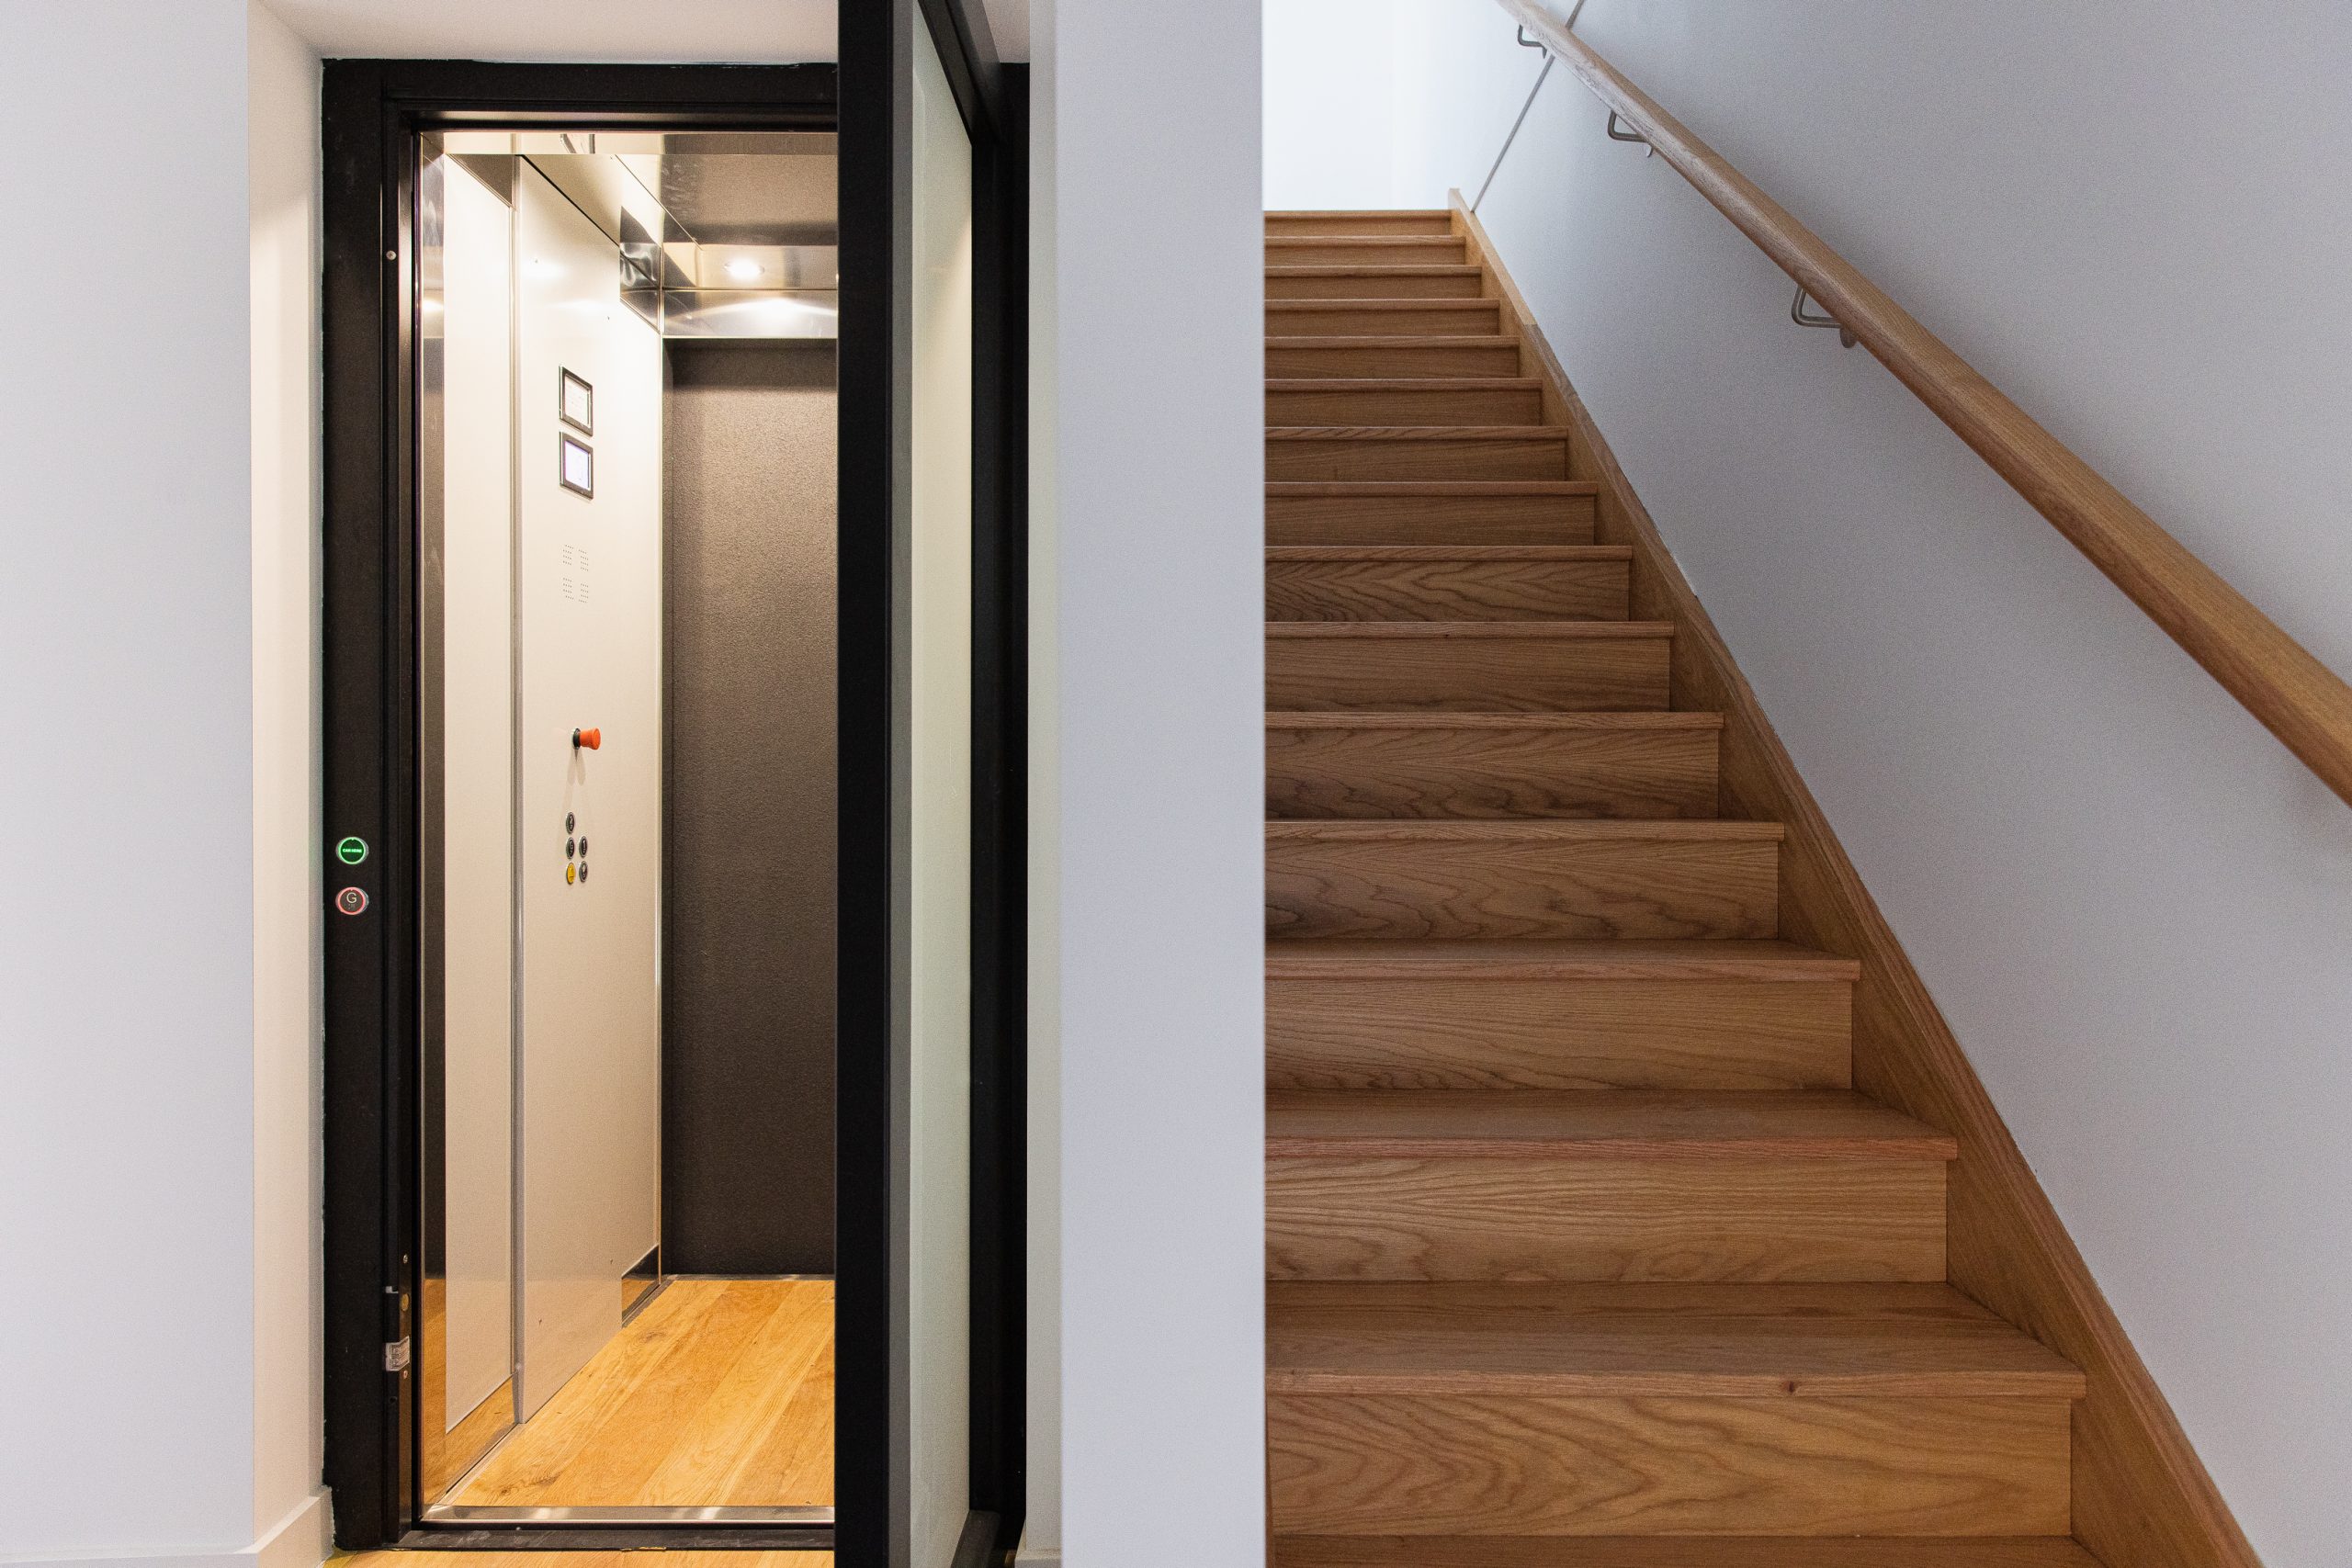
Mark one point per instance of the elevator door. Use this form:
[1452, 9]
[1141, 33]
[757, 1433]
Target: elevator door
[589, 785]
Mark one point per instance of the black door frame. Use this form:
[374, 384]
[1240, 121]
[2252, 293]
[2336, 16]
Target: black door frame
[372, 112]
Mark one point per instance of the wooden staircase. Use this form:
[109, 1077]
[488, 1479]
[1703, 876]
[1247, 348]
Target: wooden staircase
[1583, 1251]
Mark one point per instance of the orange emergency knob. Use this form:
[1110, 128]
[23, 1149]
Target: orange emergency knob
[591, 738]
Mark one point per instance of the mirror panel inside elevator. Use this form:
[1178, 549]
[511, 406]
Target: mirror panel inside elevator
[625, 457]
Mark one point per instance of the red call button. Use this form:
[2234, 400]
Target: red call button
[352, 901]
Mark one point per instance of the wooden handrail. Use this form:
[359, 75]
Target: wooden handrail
[2307, 706]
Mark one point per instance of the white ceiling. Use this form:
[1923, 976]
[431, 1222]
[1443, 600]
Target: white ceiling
[617, 31]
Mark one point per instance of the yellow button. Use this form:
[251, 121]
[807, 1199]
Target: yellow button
[567, 875]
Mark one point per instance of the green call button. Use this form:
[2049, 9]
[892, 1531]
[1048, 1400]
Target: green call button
[351, 852]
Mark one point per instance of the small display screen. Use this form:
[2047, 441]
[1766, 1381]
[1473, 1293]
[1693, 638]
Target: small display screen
[579, 470]
[576, 404]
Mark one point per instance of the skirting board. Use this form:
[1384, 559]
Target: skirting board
[2142, 1497]
[300, 1540]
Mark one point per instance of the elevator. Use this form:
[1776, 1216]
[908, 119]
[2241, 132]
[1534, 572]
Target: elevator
[675, 641]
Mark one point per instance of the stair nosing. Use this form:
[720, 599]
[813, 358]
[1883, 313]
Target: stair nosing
[1342, 489]
[1304, 384]
[1513, 959]
[1297, 553]
[1409, 719]
[1903, 1137]
[1564, 631]
[1370, 341]
[1547, 433]
[1474, 830]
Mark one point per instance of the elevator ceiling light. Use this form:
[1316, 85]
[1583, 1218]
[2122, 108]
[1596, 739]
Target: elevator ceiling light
[743, 269]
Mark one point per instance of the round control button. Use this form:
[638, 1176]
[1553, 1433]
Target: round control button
[352, 901]
[583, 846]
[584, 871]
[567, 848]
[568, 874]
[352, 850]
[568, 820]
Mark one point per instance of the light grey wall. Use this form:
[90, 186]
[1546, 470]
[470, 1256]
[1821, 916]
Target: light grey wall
[2131, 902]
[1147, 894]
[128, 1247]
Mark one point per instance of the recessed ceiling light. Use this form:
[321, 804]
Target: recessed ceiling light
[743, 269]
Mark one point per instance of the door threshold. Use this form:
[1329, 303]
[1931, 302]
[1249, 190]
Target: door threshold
[608, 1538]
[643, 1518]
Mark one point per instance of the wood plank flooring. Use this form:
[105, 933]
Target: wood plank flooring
[720, 1393]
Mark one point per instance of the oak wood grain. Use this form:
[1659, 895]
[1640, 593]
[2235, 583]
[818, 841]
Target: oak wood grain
[1683, 1551]
[2142, 1499]
[1539, 1124]
[1363, 250]
[1479, 667]
[1356, 357]
[1405, 400]
[1426, 512]
[1359, 220]
[1418, 281]
[1416, 452]
[1522, 879]
[1757, 1219]
[1668, 1466]
[1441, 1033]
[1312, 318]
[720, 1391]
[1654, 765]
[1920, 1341]
[2298, 699]
[1446, 582]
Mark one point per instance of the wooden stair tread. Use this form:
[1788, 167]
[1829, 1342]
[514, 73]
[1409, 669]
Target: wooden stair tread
[1680, 1551]
[1563, 831]
[1438, 630]
[1415, 433]
[1650, 1340]
[1372, 341]
[1275, 553]
[1351, 269]
[1401, 958]
[1368, 489]
[1418, 1124]
[1406, 383]
[1351, 719]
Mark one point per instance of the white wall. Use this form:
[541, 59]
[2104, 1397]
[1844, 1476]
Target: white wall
[282, 140]
[2131, 902]
[1147, 887]
[157, 1245]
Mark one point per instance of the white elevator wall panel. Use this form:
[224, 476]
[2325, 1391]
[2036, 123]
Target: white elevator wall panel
[477, 794]
[938, 657]
[590, 627]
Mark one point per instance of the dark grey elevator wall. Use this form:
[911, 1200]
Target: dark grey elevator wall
[747, 929]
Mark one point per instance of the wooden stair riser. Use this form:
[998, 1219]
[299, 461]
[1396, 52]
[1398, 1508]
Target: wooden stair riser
[1753, 1220]
[1332, 515]
[1680, 1551]
[1669, 1466]
[1366, 249]
[1474, 768]
[1343, 454]
[1414, 282]
[1393, 318]
[1370, 586]
[1321, 885]
[1466, 674]
[1439, 401]
[1401, 221]
[1296, 358]
[1450, 1034]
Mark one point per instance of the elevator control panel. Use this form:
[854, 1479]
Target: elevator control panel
[575, 851]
